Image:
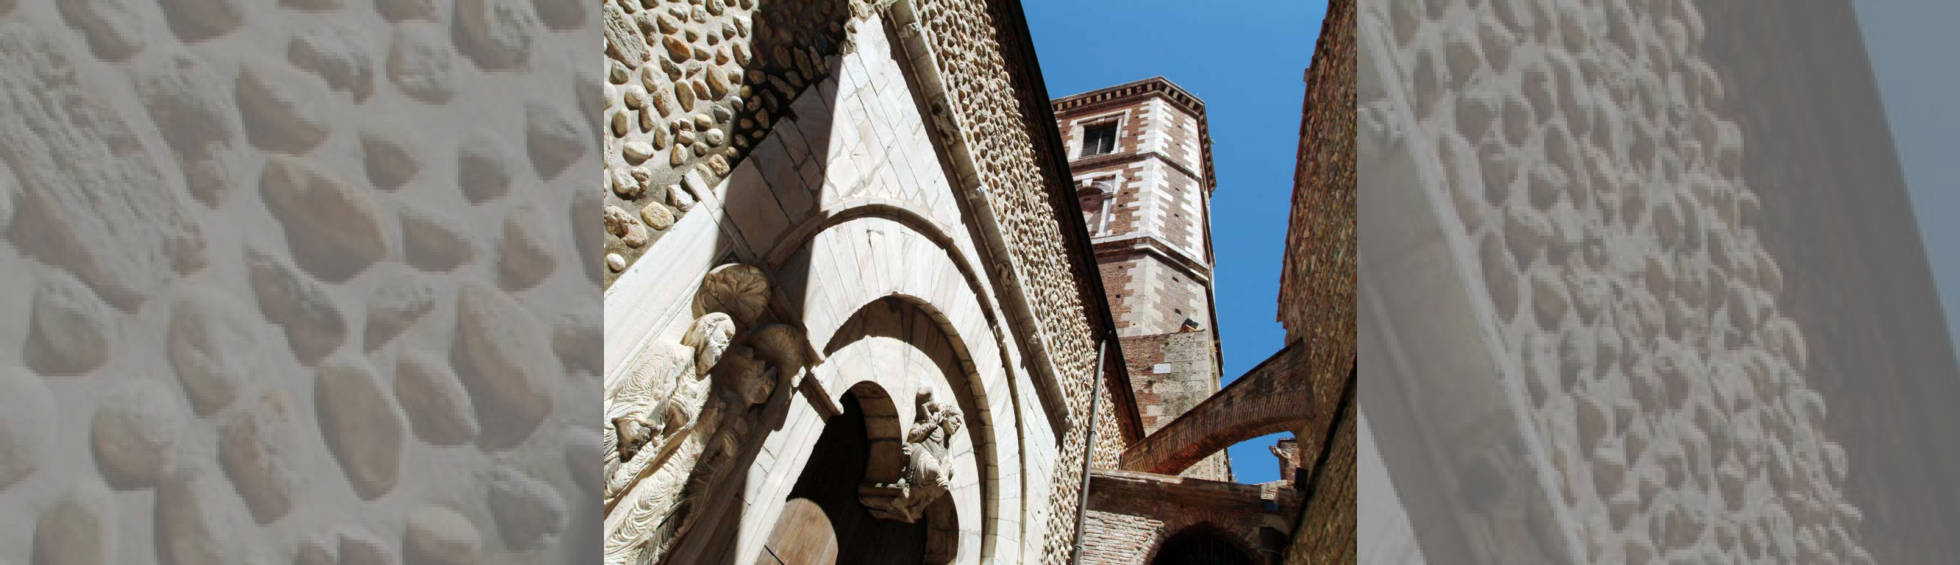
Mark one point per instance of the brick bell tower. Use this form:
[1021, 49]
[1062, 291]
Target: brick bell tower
[1141, 155]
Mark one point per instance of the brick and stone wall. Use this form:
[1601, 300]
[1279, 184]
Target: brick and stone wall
[1317, 292]
[1133, 514]
[1317, 281]
[1171, 373]
[1327, 525]
[1155, 245]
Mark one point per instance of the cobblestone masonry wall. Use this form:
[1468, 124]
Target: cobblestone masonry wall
[988, 97]
[1838, 216]
[294, 282]
[691, 87]
[1616, 239]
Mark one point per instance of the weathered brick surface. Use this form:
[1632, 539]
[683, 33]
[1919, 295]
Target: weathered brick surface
[1171, 373]
[1317, 284]
[1327, 524]
[1274, 397]
[1131, 515]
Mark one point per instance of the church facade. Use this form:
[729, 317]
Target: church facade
[863, 301]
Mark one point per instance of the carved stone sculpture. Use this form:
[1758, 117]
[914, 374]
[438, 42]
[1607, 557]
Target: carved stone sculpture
[739, 290]
[681, 422]
[928, 472]
[786, 348]
[660, 399]
[709, 339]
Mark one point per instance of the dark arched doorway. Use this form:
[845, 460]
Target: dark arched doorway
[824, 522]
[1201, 546]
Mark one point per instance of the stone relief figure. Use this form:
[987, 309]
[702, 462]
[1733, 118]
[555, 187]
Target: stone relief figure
[928, 472]
[660, 399]
[679, 423]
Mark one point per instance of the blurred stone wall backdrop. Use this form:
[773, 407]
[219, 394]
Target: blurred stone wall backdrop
[1641, 285]
[296, 282]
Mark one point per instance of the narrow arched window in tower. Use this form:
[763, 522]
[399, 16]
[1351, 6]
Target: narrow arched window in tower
[1097, 199]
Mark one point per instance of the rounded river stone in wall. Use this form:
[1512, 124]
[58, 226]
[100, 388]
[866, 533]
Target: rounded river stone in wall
[438, 407]
[283, 109]
[359, 546]
[261, 451]
[26, 424]
[313, 323]
[198, 521]
[389, 161]
[496, 34]
[528, 512]
[482, 168]
[420, 63]
[528, 254]
[338, 55]
[214, 348]
[436, 535]
[137, 432]
[551, 138]
[195, 20]
[80, 529]
[397, 301]
[335, 231]
[504, 357]
[434, 242]
[362, 427]
[69, 327]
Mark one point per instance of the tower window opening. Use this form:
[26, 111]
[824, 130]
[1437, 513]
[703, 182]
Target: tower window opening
[1099, 139]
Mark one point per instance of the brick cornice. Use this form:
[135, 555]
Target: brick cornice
[1136, 243]
[1099, 162]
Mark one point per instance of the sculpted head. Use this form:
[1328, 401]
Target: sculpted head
[709, 337]
[783, 346]
[923, 397]
[744, 377]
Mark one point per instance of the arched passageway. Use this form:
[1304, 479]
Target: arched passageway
[1277, 396]
[1201, 546]
[823, 517]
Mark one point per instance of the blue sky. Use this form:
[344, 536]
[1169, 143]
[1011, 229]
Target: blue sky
[1246, 63]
